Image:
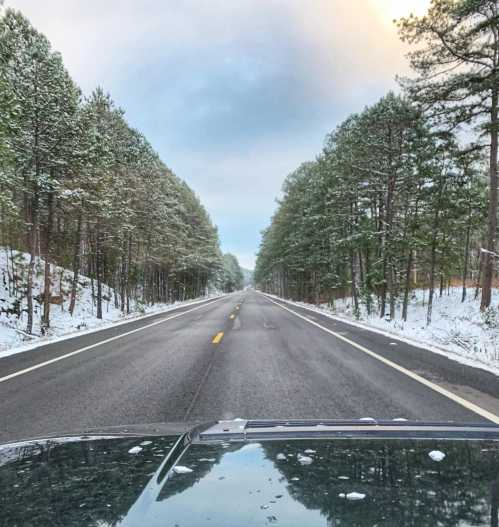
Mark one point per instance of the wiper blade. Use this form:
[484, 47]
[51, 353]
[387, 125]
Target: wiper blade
[255, 430]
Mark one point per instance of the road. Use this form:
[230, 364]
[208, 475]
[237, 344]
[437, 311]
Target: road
[243, 355]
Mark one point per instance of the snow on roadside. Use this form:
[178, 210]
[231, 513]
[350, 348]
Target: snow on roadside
[63, 325]
[458, 329]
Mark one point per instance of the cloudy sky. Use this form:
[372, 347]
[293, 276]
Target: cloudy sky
[233, 94]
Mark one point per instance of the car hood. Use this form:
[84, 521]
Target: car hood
[227, 480]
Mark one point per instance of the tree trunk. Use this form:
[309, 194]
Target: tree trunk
[387, 267]
[433, 260]
[47, 278]
[381, 255]
[367, 261]
[382, 309]
[123, 274]
[362, 281]
[392, 290]
[98, 270]
[432, 277]
[489, 256]
[407, 286]
[479, 277]
[355, 296]
[76, 264]
[33, 215]
[127, 286]
[466, 259]
[116, 281]
[29, 288]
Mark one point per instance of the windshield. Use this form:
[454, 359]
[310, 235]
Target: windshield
[247, 210]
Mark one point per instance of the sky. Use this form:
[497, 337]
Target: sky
[233, 94]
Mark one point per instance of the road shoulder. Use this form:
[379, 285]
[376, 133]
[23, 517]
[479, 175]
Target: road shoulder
[54, 350]
[473, 384]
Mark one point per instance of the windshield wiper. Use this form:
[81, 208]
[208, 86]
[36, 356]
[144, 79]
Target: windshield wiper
[255, 430]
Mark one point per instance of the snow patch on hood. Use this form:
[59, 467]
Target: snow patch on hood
[436, 455]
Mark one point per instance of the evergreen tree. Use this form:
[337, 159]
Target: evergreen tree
[232, 277]
[83, 190]
[381, 211]
[458, 67]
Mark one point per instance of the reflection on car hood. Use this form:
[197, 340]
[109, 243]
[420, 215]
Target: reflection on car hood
[170, 481]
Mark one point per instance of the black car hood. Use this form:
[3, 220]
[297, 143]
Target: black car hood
[184, 481]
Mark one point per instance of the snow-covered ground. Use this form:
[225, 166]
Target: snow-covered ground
[458, 330]
[12, 336]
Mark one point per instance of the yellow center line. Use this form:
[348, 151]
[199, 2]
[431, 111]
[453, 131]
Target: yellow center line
[218, 337]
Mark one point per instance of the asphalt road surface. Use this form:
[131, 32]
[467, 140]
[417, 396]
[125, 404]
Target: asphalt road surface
[243, 355]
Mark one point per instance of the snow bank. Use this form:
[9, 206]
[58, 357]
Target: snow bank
[13, 339]
[458, 329]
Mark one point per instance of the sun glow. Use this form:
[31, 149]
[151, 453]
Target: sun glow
[389, 10]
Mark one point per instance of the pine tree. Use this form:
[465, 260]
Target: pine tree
[85, 191]
[232, 278]
[458, 82]
[381, 211]
[46, 101]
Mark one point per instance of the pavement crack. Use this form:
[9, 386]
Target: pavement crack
[200, 387]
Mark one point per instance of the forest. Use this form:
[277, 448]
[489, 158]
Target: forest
[83, 190]
[404, 193]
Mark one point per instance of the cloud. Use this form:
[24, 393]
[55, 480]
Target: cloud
[233, 95]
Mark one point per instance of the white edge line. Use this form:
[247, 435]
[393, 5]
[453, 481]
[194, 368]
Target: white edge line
[132, 317]
[105, 341]
[435, 387]
[425, 346]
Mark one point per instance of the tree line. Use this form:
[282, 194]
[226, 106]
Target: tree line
[397, 198]
[82, 189]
